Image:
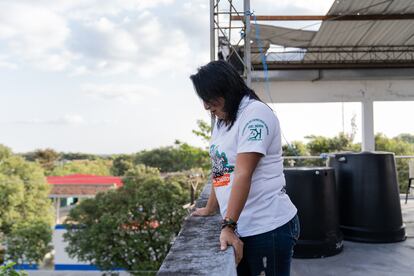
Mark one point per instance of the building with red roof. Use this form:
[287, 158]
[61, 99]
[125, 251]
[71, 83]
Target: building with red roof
[81, 185]
[67, 190]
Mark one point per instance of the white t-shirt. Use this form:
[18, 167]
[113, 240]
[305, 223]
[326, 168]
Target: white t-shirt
[256, 129]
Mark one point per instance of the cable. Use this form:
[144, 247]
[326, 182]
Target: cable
[266, 76]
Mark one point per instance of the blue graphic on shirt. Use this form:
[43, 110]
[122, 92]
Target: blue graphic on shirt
[256, 129]
[219, 162]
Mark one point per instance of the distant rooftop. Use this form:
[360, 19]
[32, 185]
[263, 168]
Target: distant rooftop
[82, 184]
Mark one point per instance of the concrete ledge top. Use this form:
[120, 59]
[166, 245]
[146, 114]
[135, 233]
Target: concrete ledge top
[196, 250]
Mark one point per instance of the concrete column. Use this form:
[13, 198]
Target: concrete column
[368, 137]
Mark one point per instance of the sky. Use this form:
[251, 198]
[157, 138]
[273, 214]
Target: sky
[112, 76]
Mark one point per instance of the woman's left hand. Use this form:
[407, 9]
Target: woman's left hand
[227, 237]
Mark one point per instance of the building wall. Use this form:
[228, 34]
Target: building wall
[62, 259]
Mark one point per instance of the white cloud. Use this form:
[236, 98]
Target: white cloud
[125, 93]
[35, 35]
[68, 119]
[143, 45]
[103, 40]
[105, 37]
[90, 8]
[144, 37]
[4, 63]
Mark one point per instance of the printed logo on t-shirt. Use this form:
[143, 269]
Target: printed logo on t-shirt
[221, 169]
[257, 129]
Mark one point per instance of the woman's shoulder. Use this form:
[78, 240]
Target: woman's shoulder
[256, 107]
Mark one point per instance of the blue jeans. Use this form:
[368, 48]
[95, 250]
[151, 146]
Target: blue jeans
[270, 253]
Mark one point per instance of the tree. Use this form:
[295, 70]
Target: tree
[203, 131]
[354, 128]
[179, 157]
[9, 270]
[320, 144]
[95, 167]
[130, 227]
[29, 241]
[47, 158]
[297, 148]
[399, 147]
[24, 208]
[395, 145]
[122, 164]
[406, 137]
[193, 178]
[78, 156]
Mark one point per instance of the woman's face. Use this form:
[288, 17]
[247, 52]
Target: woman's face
[216, 107]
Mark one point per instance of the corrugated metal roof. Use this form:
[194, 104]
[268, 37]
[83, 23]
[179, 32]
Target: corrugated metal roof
[367, 33]
[364, 41]
[371, 7]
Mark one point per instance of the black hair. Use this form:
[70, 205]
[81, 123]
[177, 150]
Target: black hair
[220, 79]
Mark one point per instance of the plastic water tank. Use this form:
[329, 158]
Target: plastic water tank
[368, 196]
[313, 191]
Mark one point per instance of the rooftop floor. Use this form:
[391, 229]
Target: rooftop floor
[196, 252]
[366, 258]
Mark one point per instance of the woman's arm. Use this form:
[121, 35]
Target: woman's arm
[245, 165]
[211, 207]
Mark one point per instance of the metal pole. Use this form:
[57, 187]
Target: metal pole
[247, 50]
[212, 32]
[212, 47]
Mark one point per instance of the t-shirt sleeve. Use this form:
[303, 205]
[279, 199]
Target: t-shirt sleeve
[256, 129]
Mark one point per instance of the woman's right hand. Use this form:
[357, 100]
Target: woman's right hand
[203, 212]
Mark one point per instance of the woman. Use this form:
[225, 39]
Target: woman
[259, 220]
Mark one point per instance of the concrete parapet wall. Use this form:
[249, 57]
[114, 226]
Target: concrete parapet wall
[196, 250]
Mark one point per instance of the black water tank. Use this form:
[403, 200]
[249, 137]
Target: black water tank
[313, 192]
[368, 196]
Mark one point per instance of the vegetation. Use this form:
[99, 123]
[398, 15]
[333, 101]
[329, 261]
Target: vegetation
[317, 145]
[121, 164]
[203, 131]
[95, 167]
[399, 145]
[8, 270]
[131, 227]
[25, 211]
[175, 158]
[47, 158]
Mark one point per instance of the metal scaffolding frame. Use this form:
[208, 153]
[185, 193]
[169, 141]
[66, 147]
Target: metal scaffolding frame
[221, 34]
[350, 57]
[343, 56]
[309, 57]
